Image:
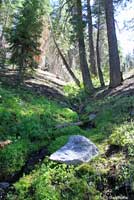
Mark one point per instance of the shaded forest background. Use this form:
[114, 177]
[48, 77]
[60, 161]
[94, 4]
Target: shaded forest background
[73, 40]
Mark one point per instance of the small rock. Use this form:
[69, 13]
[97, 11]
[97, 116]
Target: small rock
[132, 113]
[79, 149]
[4, 185]
[92, 116]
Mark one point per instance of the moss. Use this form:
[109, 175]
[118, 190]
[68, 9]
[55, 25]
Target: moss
[55, 181]
[13, 157]
[58, 143]
[28, 121]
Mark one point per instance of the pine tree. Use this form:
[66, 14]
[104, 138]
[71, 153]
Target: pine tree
[82, 51]
[91, 41]
[25, 34]
[114, 60]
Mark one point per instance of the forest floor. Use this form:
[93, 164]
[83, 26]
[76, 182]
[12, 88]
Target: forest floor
[126, 88]
[42, 82]
[28, 117]
[48, 84]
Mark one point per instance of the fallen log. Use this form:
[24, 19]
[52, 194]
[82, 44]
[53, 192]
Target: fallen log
[82, 124]
[89, 123]
[69, 124]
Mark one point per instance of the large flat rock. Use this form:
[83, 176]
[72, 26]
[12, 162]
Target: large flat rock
[79, 149]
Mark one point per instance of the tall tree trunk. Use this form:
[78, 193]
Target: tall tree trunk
[114, 61]
[70, 58]
[82, 52]
[66, 64]
[2, 42]
[91, 43]
[63, 58]
[21, 73]
[98, 49]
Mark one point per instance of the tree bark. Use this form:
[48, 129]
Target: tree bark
[91, 43]
[64, 59]
[98, 49]
[66, 64]
[114, 61]
[82, 52]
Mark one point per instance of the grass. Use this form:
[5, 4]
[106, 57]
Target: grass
[28, 121]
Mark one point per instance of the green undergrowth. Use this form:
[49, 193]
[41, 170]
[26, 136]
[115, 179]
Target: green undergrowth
[29, 122]
[56, 182]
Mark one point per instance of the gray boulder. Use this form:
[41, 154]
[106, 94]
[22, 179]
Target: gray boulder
[79, 149]
[92, 116]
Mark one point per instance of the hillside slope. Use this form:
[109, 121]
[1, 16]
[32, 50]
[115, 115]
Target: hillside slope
[29, 122]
